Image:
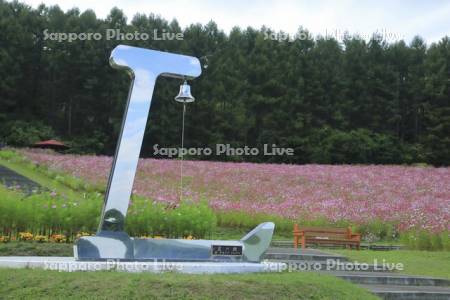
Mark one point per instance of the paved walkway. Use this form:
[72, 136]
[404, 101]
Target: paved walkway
[12, 179]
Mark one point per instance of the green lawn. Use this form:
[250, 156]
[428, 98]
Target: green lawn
[429, 263]
[106, 285]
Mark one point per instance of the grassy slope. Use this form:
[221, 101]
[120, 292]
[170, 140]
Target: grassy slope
[426, 263]
[40, 178]
[103, 285]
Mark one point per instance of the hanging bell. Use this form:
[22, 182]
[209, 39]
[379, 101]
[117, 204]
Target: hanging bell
[184, 96]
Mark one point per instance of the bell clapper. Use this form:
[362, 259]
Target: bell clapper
[182, 150]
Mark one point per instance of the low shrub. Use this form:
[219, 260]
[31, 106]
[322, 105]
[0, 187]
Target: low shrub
[146, 217]
[24, 134]
[40, 238]
[377, 230]
[424, 240]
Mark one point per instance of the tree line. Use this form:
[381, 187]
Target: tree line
[350, 101]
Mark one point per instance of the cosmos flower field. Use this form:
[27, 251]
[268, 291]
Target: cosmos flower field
[411, 197]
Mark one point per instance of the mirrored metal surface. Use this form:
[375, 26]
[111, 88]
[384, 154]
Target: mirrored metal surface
[257, 241]
[144, 66]
[117, 245]
[105, 245]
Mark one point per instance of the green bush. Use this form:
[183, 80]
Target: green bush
[423, 240]
[92, 143]
[377, 230]
[47, 213]
[22, 133]
[159, 219]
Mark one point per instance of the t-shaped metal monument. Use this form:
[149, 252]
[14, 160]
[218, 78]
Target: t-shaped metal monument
[111, 241]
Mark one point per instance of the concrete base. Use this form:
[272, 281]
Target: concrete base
[69, 264]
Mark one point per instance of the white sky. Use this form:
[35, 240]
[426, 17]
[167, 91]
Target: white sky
[401, 18]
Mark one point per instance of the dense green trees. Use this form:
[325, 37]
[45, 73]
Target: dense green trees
[349, 102]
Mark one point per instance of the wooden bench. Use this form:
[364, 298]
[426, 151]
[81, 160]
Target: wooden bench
[326, 236]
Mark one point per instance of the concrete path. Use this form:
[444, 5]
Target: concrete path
[402, 292]
[12, 179]
[69, 264]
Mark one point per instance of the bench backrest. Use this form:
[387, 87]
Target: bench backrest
[326, 232]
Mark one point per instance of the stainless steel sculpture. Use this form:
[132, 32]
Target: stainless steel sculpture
[111, 241]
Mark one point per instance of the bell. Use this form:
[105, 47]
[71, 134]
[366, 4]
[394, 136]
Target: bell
[184, 96]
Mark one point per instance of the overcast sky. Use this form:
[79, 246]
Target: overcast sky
[404, 19]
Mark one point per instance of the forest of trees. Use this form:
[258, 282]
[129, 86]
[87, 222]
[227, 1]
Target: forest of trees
[352, 101]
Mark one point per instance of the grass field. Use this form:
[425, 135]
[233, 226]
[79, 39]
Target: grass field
[427, 263]
[19, 284]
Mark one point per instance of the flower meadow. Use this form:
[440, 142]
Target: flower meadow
[411, 197]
